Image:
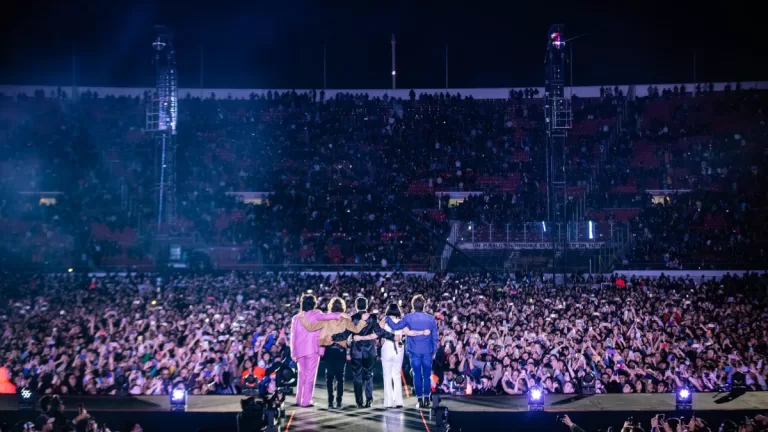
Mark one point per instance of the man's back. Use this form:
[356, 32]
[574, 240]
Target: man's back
[370, 327]
[419, 321]
[303, 341]
[330, 328]
[369, 324]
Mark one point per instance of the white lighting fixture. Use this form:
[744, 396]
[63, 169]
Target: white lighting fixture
[536, 399]
[684, 399]
[27, 399]
[178, 400]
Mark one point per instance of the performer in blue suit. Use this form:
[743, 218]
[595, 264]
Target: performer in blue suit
[421, 349]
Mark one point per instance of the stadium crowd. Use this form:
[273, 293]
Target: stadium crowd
[343, 177]
[659, 423]
[360, 182]
[337, 172]
[145, 334]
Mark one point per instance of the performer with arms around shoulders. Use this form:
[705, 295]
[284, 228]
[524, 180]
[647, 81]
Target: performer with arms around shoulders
[305, 348]
[363, 352]
[335, 354]
[421, 349]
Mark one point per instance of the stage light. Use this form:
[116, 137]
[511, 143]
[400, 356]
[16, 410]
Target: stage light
[27, 399]
[439, 413]
[441, 419]
[286, 379]
[251, 380]
[70, 270]
[738, 382]
[556, 40]
[684, 399]
[460, 379]
[459, 385]
[178, 395]
[591, 231]
[250, 384]
[272, 418]
[536, 399]
[544, 226]
[287, 376]
[253, 415]
[588, 384]
[178, 400]
[535, 394]
[393, 72]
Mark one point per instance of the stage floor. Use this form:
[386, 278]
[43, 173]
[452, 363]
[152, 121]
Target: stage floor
[348, 418]
[215, 413]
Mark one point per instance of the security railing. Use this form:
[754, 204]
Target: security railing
[543, 232]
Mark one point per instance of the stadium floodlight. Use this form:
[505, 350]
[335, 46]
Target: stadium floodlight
[179, 400]
[536, 399]
[684, 399]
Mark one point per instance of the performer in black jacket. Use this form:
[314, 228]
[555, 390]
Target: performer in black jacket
[363, 353]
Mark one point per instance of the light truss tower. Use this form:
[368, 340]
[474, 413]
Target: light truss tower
[162, 115]
[557, 107]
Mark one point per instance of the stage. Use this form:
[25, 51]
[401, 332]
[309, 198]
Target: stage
[217, 413]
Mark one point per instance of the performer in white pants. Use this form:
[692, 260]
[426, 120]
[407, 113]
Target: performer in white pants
[392, 357]
[392, 363]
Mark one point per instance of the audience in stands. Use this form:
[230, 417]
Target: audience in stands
[325, 165]
[343, 176]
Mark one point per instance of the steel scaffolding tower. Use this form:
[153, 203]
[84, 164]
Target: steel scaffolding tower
[162, 114]
[558, 120]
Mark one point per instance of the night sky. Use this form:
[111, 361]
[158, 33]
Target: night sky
[279, 44]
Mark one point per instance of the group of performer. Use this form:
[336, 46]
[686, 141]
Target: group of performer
[339, 337]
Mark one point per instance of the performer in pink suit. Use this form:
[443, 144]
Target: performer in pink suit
[305, 348]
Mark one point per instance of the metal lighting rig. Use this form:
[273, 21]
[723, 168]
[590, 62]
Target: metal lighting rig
[162, 115]
[557, 108]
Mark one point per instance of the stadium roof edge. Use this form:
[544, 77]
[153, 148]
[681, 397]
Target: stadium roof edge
[477, 93]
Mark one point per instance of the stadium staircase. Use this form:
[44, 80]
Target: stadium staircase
[447, 249]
